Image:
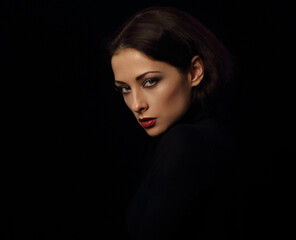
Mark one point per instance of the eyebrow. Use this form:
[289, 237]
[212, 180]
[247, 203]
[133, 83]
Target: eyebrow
[139, 77]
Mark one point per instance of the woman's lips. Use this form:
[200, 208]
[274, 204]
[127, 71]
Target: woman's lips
[147, 122]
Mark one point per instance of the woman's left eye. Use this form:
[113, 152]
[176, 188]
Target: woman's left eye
[150, 82]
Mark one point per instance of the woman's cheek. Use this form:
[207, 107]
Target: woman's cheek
[127, 99]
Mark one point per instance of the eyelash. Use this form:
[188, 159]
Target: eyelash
[153, 82]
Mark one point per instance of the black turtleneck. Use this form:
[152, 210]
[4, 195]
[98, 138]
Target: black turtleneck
[189, 191]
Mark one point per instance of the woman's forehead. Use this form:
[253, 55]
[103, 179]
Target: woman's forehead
[129, 63]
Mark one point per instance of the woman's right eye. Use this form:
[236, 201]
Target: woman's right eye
[124, 89]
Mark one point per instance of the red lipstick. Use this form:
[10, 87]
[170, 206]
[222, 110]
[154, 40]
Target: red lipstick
[147, 122]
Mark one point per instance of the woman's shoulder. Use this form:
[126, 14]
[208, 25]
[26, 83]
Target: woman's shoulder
[204, 140]
[181, 137]
[182, 132]
[185, 154]
[191, 152]
[183, 145]
[206, 131]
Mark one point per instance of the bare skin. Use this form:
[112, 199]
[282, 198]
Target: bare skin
[154, 91]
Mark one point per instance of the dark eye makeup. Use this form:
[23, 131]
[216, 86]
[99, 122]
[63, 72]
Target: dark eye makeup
[150, 82]
[147, 83]
[123, 89]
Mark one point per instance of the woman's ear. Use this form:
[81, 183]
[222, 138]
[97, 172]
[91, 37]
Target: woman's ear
[196, 71]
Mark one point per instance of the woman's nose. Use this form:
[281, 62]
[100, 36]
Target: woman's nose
[139, 104]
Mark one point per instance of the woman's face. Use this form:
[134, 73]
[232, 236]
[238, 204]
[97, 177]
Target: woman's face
[156, 92]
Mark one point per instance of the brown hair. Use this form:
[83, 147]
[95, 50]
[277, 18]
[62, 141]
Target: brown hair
[175, 37]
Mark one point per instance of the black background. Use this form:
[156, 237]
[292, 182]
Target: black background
[72, 151]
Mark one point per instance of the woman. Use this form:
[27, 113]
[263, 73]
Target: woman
[171, 71]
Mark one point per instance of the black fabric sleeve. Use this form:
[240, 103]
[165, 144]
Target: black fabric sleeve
[173, 201]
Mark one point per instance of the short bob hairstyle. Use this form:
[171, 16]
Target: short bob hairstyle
[170, 35]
